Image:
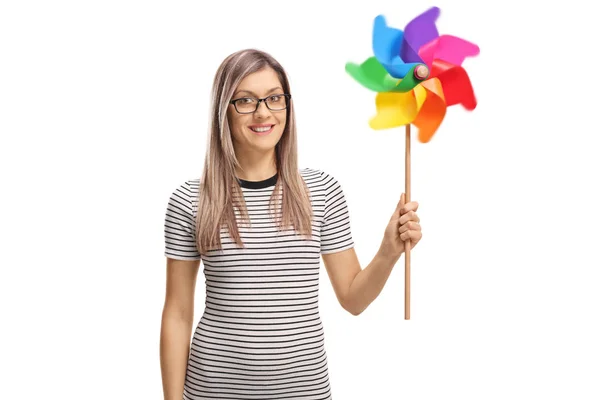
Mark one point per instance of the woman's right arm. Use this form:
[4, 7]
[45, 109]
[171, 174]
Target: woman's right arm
[176, 326]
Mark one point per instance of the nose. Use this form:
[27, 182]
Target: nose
[262, 110]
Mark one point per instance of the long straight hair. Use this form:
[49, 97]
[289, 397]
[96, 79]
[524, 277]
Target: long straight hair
[219, 191]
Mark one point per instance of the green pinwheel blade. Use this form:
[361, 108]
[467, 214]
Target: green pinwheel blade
[372, 75]
[408, 83]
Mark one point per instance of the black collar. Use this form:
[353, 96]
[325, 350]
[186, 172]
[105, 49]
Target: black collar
[258, 184]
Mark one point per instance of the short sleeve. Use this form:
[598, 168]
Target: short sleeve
[179, 228]
[336, 233]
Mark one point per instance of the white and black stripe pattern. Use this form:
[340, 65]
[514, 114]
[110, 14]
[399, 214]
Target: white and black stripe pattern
[261, 336]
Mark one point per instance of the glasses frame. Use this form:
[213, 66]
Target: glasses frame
[287, 102]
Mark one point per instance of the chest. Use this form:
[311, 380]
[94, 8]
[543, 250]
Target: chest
[264, 241]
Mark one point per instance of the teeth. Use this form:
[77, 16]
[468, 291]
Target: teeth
[261, 129]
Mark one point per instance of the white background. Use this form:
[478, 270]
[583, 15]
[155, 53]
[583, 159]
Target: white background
[103, 113]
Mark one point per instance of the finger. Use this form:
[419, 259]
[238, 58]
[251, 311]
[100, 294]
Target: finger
[399, 206]
[416, 237]
[410, 206]
[409, 216]
[410, 226]
[401, 202]
[406, 235]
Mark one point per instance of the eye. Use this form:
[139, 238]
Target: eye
[246, 100]
[275, 98]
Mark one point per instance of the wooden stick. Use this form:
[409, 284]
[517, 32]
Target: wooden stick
[407, 243]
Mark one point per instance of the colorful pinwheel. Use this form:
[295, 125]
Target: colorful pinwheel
[416, 73]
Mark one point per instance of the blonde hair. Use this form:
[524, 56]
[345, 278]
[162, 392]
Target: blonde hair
[219, 191]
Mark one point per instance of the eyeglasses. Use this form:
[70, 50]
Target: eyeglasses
[249, 105]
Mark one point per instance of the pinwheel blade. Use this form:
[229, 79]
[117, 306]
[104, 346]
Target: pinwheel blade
[432, 109]
[372, 75]
[418, 32]
[387, 43]
[449, 48]
[456, 84]
[393, 110]
[386, 40]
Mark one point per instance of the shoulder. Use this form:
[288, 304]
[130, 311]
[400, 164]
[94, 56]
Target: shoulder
[316, 175]
[185, 194]
[313, 177]
[319, 175]
[321, 180]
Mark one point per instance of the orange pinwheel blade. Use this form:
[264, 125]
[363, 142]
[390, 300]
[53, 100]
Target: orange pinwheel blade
[430, 96]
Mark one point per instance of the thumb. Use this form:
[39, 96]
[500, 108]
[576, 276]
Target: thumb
[401, 204]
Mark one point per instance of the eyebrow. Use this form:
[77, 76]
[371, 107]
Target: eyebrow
[254, 94]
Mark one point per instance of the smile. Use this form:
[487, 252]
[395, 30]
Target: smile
[262, 129]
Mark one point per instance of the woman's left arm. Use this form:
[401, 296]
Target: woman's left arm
[356, 288]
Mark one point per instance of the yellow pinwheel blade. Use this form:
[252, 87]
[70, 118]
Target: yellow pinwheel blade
[394, 109]
[424, 106]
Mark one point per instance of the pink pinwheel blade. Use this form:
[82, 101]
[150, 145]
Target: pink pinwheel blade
[418, 32]
[448, 48]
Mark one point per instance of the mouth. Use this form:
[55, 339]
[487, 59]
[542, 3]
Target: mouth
[262, 129]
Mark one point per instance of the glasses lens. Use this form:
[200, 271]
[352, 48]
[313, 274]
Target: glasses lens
[277, 102]
[246, 105]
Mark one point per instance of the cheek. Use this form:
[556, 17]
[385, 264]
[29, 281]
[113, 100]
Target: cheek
[235, 125]
[282, 121]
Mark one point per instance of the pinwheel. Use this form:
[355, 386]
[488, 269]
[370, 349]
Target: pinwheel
[417, 75]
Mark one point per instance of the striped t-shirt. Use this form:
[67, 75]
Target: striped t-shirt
[260, 336]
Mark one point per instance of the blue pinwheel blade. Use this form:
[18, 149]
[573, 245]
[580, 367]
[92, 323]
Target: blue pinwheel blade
[387, 46]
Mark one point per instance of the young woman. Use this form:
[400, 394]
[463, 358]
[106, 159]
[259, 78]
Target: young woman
[260, 225]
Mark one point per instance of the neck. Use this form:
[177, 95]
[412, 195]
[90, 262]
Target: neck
[256, 166]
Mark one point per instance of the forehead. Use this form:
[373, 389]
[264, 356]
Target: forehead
[259, 82]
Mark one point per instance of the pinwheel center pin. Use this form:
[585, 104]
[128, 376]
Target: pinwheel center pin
[421, 72]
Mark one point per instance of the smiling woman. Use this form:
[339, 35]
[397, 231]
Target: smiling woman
[259, 224]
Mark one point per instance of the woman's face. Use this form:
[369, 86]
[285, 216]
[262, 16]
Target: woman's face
[261, 130]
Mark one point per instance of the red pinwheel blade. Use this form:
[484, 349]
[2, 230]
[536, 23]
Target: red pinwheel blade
[456, 84]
